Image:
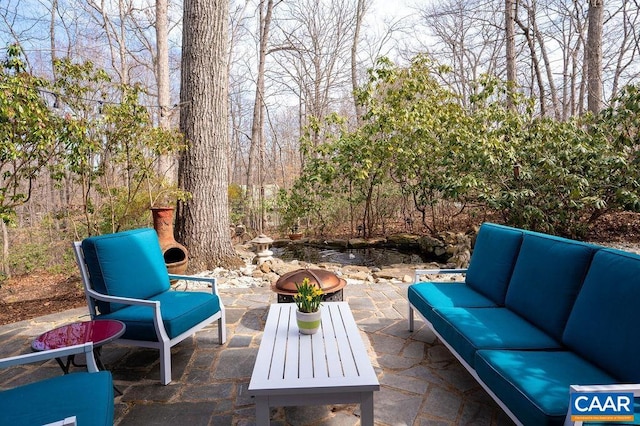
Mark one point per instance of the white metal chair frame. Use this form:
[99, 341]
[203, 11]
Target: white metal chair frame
[163, 343]
[86, 349]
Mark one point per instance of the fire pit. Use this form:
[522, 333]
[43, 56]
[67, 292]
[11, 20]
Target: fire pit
[330, 284]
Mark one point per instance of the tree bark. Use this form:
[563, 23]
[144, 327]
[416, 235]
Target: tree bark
[509, 22]
[594, 56]
[166, 162]
[257, 125]
[360, 13]
[203, 224]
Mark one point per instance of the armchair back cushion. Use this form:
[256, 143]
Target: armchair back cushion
[547, 277]
[491, 265]
[602, 326]
[126, 264]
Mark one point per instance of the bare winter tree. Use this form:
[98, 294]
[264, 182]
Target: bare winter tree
[594, 56]
[203, 221]
[265, 11]
[165, 165]
[510, 44]
[314, 44]
[469, 40]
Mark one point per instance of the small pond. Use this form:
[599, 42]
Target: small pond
[372, 256]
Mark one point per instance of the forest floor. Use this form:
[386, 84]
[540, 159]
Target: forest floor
[33, 295]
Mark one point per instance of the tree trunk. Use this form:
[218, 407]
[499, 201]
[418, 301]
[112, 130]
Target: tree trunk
[203, 221]
[257, 125]
[165, 162]
[594, 56]
[509, 21]
[360, 12]
[5, 250]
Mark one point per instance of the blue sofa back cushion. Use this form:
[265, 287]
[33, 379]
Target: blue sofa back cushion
[88, 396]
[535, 384]
[547, 277]
[603, 325]
[494, 255]
[181, 310]
[126, 264]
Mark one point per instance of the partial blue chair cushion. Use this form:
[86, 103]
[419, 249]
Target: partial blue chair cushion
[603, 325]
[468, 330]
[180, 311]
[547, 277]
[493, 259]
[427, 295]
[535, 384]
[135, 270]
[88, 396]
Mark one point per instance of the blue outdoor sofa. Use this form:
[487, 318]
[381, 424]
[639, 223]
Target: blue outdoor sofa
[538, 318]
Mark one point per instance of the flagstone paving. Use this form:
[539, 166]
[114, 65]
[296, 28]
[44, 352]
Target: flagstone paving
[421, 382]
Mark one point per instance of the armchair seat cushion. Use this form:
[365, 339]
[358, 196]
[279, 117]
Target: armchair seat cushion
[535, 384]
[88, 396]
[180, 311]
[468, 330]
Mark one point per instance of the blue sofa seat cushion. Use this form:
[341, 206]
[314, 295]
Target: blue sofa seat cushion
[546, 280]
[494, 255]
[468, 330]
[180, 311]
[88, 396]
[428, 295]
[535, 384]
[602, 326]
[135, 269]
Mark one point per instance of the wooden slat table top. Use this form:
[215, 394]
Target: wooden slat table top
[333, 359]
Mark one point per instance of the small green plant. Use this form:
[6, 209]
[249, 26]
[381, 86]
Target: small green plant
[309, 296]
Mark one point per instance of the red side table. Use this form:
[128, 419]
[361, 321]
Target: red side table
[97, 331]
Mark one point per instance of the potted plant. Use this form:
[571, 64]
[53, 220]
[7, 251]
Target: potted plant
[295, 233]
[308, 300]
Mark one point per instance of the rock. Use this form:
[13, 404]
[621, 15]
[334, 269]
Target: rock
[358, 275]
[393, 273]
[358, 243]
[429, 244]
[403, 240]
[352, 269]
[265, 267]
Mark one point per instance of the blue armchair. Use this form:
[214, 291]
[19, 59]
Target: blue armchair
[125, 278]
[84, 398]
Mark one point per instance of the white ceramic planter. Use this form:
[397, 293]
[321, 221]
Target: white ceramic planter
[308, 323]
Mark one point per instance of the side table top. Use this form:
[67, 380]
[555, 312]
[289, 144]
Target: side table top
[333, 359]
[97, 331]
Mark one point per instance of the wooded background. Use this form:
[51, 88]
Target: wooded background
[110, 70]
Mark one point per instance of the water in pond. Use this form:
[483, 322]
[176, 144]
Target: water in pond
[374, 256]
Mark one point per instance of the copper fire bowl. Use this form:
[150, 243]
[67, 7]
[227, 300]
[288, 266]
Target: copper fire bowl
[325, 280]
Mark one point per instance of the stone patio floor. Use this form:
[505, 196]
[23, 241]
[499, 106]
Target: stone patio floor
[421, 383]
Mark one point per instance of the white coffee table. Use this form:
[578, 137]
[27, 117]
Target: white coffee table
[329, 367]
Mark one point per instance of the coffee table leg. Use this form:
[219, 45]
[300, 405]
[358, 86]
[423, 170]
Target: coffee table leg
[366, 409]
[262, 411]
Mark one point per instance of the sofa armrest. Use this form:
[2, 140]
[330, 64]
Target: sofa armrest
[421, 272]
[618, 387]
[69, 421]
[86, 348]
